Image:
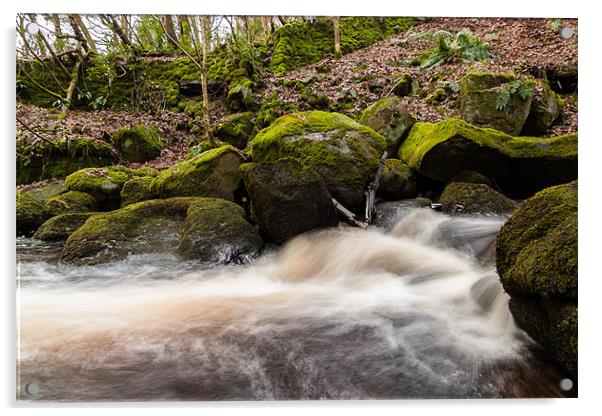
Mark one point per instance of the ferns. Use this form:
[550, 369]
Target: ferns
[463, 47]
[242, 89]
[521, 87]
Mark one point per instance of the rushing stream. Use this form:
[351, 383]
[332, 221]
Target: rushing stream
[412, 311]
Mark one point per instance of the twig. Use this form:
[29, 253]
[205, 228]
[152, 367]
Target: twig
[372, 188]
[348, 214]
[33, 132]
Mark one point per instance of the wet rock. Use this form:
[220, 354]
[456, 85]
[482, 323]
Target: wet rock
[474, 198]
[30, 213]
[397, 182]
[69, 202]
[59, 228]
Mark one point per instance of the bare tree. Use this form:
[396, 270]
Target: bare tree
[206, 33]
[337, 37]
[170, 31]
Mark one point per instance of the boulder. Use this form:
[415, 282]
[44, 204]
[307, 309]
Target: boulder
[474, 198]
[47, 190]
[213, 173]
[30, 213]
[537, 263]
[135, 190]
[104, 184]
[235, 129]
[69, 202]
[520, 166]
[138, 143]
[469, 176]
[287, 198]
[345, 153]
[479, 102]
[389, 118]
[59, 228]
[403, 85]
[216, 231]
[545, 109]
[398, 181]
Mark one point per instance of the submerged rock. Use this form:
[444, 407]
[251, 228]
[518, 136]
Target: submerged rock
[345, 153]
[70, 202]
[474, 198]
[520, 166]
[398, 181]
[30, 213]
[537, 263]
[213, 173]
[287, 198]
[216, 231]
[138, 143]
[59, 228]
[389, 118]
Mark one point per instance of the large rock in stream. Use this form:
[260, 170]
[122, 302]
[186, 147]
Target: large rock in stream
[520, 166]
[208, 229]
[390, 118]
[30, 213]
[345, 153]
[537, 263]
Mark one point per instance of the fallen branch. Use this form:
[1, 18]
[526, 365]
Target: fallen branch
[348, 214]
[372, 188]
[33, 132]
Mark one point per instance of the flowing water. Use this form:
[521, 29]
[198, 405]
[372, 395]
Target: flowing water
[414, 310]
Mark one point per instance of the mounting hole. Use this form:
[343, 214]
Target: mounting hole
[32, 388]
[566, 384]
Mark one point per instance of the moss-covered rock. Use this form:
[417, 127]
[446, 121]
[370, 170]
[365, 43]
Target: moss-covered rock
[46, 160]
[435, 97]
[235, 129]
[389, 118]
[216, 231]
[46, 190]
[213, 173]
[287, 198]
[403, 85]
[345, 153]
[138, 143]
[519, 165]
[545, 109]
[59, 228]
[30, 213]
[135, 190]
[537, 263]
[469, 176]
[474, 198]
[104, 184]
[69, 202]
[480, 99]
[398, 181]
[144, 227]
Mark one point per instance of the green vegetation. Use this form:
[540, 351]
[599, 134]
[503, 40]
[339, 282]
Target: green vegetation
[69, 202]
[60, 227]
[138, 143]
[30, 213]
[463, 47]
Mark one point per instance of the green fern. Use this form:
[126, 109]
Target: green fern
[464, 46]
[524, 89]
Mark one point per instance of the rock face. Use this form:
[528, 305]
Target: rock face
[398, 181]
[59, 228]
[520, 166]
[345, 153]
[235, 129]
[479, 94]
[213, 173]
[69, 202]
[545, 109]
[138, 143]
[474, 198]
[104, 184]
[287, 198]
[216, 231]
[537, 263]
[136, 190]
[389, 118]
[30, 213]
[207, 229]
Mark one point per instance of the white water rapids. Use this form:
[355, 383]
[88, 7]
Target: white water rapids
[416, 311]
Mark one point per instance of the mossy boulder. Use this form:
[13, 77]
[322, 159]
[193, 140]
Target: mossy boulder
[398, 181]
[135, 190]
[47, 190]
[59, 228]
[479, 101]
[537, 263]
[30, 213]
[288, 198]
[144, 227]
[213, 173]
[70, 202]
[389, 118]
[345, 153]
[520, 166]
[104, 184]
[475, 198]
[138, 143]
[235, 129]
[469, 176]
[403, 85]
[545, 109]
[216, 231]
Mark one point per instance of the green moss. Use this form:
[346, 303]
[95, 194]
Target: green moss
[389, 118]
[48, 190]
[104, 184]
[60, 227]
[235, 129]
[470, 198]
[436, 96]
[212, 173]
[135, 190]
[30, 213]
[69, 202]
[138, 143]
[403, 86]
[398, 181]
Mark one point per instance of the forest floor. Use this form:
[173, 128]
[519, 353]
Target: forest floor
[517, 45]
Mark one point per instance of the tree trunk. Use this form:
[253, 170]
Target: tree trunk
[206, 32]
[337, 37]
[74, 79]
[170, 30]
[89, 41]
[118, 30]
